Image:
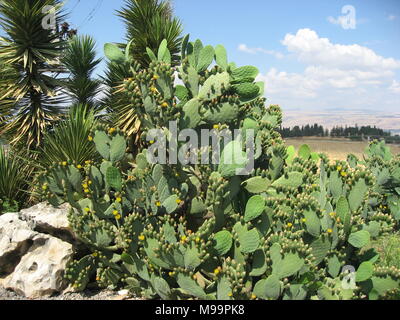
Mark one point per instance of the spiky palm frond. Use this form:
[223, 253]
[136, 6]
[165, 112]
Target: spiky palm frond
[80, 60]
[68, 140]
[13, 176]
[148, 23]
[33, 53]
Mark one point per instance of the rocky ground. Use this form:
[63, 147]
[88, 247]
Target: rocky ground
[86, 295]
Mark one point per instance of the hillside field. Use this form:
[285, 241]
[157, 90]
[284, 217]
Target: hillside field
[335, 148]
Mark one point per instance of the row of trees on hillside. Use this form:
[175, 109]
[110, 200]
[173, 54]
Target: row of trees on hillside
[355, 133]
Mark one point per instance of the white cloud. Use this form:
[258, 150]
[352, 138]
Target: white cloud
[395, 87]
[335, 76]
[310, 48]
[245, 48]
[391, 17]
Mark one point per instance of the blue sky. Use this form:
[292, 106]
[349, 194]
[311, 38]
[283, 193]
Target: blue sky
[306, 55]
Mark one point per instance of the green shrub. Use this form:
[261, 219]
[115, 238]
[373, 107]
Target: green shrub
[13, 180]
[283, 231]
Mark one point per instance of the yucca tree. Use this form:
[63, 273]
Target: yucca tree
[33, 97]
[148, 23]
[80, 60]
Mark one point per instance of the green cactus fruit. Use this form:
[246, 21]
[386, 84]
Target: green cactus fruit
[191, 114]
[221, 57]
[364, 271]
[113, 178]
[305, 152]
[187, 284]
[206, 57]
[213, 87]
[102, 142]
[270, 288]
[114, 53]
[223, 242]
[245, 72]
[80, 272]
[191, 259]
[254, 208]
[257, 184]
[359, 239]
[249, 241]
[222, 113]
[294, 180]
[357, 194]
[259, 266]
[117, 148]
[313, 223]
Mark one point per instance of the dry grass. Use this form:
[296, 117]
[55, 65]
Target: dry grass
[336, 149]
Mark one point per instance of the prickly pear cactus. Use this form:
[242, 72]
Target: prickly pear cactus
[285, 230]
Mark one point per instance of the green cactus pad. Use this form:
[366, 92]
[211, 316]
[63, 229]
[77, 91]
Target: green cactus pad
[257, 184]
[102, 142]
[117, 148]
[245, 72]
[269, 288]
[113, 178]
[190, 286]
[249, 241]
[223, 242]
[259, 266]
[364, 271]
[254, 208]
[294, 180]
[212, 88]
[223, 113]
[114, 53]
[359, 239]
[221, 57]
[206, 57]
